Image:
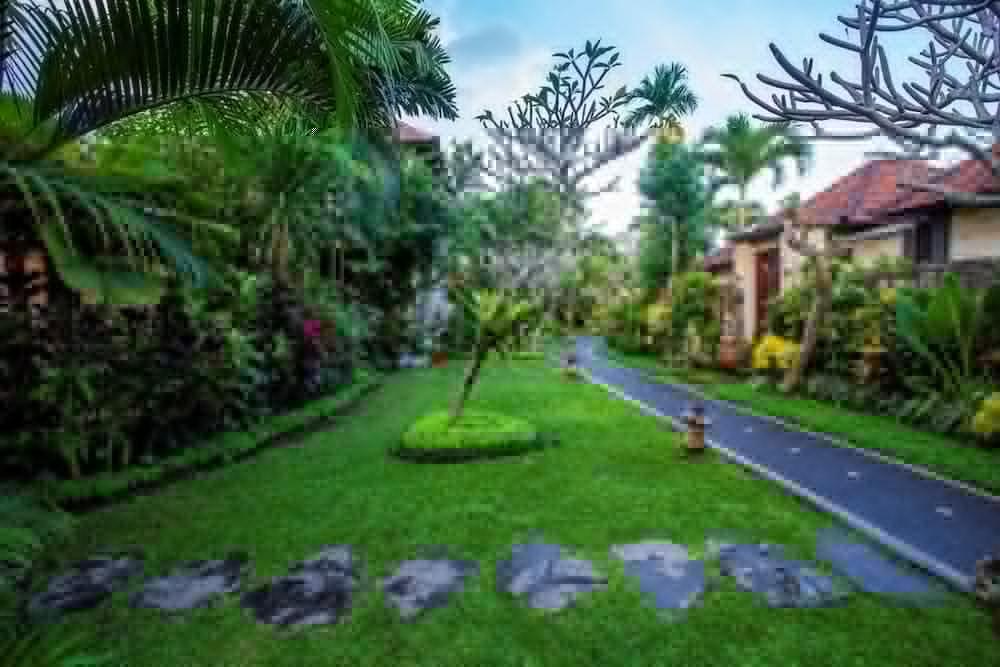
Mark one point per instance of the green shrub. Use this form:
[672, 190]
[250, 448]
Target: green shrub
[528, 356]
[476, 434]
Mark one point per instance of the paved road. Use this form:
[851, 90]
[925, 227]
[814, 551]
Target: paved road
[938, 526]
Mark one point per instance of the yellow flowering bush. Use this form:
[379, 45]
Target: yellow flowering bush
[774, 352]
[987, 421]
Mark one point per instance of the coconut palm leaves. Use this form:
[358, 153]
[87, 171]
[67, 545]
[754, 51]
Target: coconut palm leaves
[664, 98]
[83, 65]
[741, 152]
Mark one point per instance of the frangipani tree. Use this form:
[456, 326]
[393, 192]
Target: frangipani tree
[951, 102]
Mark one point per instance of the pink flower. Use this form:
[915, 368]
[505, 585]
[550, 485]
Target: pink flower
[311, 328]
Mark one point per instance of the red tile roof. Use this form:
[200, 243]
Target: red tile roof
[969, 176]
[865, 194]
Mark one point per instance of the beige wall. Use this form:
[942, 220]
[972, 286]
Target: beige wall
[744, 263]
[868, 251]
[975, 234]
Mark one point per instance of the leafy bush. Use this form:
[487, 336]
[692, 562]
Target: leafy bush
[27, 526]
[476, 434]
[774, 353]
[986, 423]
[526, 355]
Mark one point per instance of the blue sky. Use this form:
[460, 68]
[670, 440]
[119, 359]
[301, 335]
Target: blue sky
[502, 50]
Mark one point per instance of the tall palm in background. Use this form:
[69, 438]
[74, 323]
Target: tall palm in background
[85, 65]
[664, 99]
[741, 152]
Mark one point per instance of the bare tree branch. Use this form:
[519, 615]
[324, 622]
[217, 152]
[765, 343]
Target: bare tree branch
[956, 105]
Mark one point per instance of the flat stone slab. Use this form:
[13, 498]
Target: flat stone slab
[87, 584]
[548, 581]
[419, 585]
[650, 549]
[763, 569]
[317, 591]
[664, 572]
[193, 585]
[672, 585]
[871, 571]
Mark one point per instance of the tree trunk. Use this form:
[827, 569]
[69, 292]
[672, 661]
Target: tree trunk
[471, 375]
[824, 286]
[675, 250]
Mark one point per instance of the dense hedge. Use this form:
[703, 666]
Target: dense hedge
[222, 448]
[476, 435]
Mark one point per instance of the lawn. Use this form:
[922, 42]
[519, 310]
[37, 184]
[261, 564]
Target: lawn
[961, 460]
[614, 477]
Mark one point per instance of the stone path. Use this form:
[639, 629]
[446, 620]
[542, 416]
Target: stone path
[322, 589]
[935, 525]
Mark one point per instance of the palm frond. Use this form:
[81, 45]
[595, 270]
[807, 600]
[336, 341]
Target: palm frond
[97, 61]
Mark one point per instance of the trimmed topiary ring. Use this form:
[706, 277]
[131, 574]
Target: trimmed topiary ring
[476, 435]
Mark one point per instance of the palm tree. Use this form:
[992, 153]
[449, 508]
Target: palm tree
[88, 64]
[672, 180]
[665, 98]
[741, 152]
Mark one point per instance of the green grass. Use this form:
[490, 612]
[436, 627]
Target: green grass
[944, 455]
[616, 476]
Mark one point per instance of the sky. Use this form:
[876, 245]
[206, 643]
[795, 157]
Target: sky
[502, 49]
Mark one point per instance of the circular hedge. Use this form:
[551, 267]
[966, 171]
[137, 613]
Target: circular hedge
[476, 435]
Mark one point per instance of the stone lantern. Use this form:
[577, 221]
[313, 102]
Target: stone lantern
[696, 423]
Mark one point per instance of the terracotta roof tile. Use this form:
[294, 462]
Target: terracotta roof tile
[865, 194]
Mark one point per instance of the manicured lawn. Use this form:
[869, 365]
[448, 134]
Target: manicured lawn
[947, 456]
[615, 477]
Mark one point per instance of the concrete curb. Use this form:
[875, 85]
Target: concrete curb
[955, 578]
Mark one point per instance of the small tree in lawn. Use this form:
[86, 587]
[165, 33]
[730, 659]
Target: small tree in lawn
[499, 315]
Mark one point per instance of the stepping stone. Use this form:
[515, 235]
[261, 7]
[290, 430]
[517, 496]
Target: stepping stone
[419, 585]
[664, 571]
[763, 569]
[673, 585]
[646, 550]
[548, 581]
[317, 591]
[869, 570]
[193, 585]
[87, 584]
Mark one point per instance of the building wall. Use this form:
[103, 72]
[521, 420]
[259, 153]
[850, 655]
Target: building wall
[975, 234]
[868, 251]
[744, 268]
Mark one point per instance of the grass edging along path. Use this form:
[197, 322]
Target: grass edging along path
[896, 441]
[616, 477]
[221, 448]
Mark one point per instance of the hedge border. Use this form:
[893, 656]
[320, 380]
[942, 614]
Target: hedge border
[221, 449]
[513, 447]
[467, 455]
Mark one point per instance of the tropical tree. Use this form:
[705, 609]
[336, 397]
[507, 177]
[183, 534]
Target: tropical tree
[665, 98]
[500, 315]
[673, 183]
[82, 66]
[544, 134]
[740, 152]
